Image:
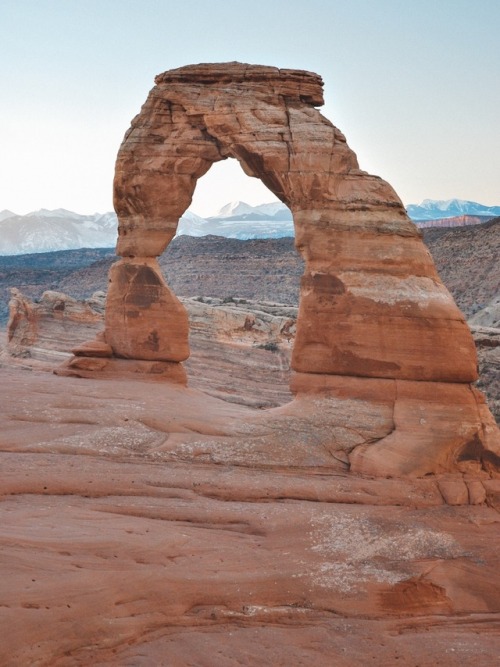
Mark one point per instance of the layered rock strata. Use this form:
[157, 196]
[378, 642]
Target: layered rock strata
[240, 349]
[48, 329]
[372, 306]
[115, 551]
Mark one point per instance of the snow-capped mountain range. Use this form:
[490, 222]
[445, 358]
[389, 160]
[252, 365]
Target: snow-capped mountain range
[432, 209]
[44, 230]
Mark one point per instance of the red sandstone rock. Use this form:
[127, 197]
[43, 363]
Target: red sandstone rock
[86, 366]
[371, 306]
[371, 302]
[240, 349]
[138, 296]
[148, 523]
[116, 552]
[44, 331]
[94, 348]
[22, 325]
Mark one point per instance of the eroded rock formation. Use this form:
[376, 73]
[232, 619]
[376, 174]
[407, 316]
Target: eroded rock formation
[52, 326]
[240, 349]
[377, 331]
[118, 550]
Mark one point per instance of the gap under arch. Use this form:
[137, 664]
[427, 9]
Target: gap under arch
[241, 295]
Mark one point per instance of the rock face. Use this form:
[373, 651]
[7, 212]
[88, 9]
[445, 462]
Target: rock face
[230, 341]
[376, 326]
[136, 288]
[240, 349]
[50, 328]
[119, 549]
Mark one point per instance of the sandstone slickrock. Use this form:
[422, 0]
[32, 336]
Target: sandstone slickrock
[240, 349]
[372, 305]
[137, 288]
[116, 551]
[46, 330]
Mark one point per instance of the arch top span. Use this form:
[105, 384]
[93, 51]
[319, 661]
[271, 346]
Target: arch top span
[301, 84]
[264, 117]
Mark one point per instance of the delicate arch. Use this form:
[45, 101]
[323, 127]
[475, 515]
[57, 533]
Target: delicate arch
[378, 335]
[362, 307]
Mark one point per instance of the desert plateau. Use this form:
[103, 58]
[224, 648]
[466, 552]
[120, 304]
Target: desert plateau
[279, 452]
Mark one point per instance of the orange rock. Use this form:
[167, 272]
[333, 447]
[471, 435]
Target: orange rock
[477, 492]
[144, 320]
[371, 303]
[87, 366]
[454, 491]
[117, 552]
[22, 328]
[41, 329]
[94, 348]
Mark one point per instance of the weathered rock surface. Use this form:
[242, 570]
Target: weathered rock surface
[241, 353]
[115, 551]
[53, 326]
[136, 287]
[372, 305]
[367, 273]
[240, 349]
[119, 548]
[150, 523]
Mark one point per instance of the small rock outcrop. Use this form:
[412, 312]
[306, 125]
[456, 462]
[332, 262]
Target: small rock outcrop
[49, 329]
[240, 349]
[377, 331]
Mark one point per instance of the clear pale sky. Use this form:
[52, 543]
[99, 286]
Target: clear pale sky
[413, 84]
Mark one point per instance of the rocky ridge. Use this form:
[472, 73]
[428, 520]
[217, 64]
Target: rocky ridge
[456, 221]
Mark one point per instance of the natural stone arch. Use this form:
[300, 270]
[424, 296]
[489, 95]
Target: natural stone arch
[372, 304]
[377, 331]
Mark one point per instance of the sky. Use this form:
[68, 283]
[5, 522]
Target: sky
[413, 84]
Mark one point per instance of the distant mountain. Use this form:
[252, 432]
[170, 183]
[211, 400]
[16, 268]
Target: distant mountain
[434, 209]
[234, 208]
[239, 220]
[45, 231]
[240, 210]
[6, 214]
